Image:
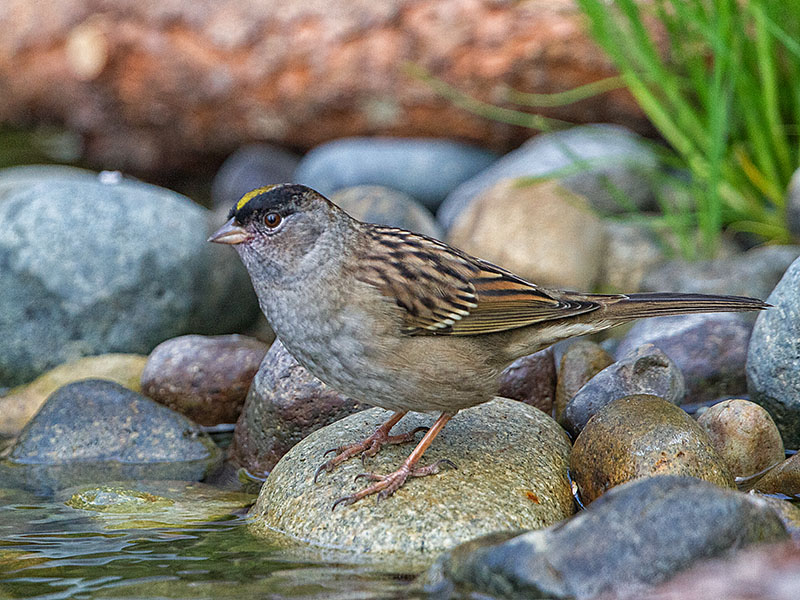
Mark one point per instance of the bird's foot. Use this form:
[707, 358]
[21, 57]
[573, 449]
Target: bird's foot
[386, 485]
[368, 448]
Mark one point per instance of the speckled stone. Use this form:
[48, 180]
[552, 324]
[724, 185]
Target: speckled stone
[94, 431]
[205, 378]
[642, 436]
[512, 474]
[744, 435]
[531, 379]
[285, 403]
[645, 370]
[773, 358]
[91, 267]
[385, 206]
[153, 504]
[637, 535]
[581, 361]
[21, 403]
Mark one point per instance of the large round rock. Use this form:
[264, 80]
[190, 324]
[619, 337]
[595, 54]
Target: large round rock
[773, 359]
[512, 474]
[89, 268]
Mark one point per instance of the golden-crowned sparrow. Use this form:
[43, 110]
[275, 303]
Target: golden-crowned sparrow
[405, 322]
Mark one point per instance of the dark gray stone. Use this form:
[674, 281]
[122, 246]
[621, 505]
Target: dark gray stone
[773, 359]
[95, 431]
[645, 370]
[427, 169]
[634, 536]
[285, 403]
[385, 206]
[709, 349]
[251, 167]
[90, 268]
[590, 160]
[753, 273]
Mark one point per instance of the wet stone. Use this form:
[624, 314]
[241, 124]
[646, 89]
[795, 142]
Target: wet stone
[500, 484]
[642, 436]
[21, 403]
[94, 431]
[153, 504]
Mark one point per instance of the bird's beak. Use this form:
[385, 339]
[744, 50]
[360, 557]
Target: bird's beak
[230, 234]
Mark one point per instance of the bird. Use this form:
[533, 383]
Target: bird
[405, 322]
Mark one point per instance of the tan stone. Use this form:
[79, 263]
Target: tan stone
[540, 231]
[744, 435]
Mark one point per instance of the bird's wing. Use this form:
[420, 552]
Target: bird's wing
[443, 291]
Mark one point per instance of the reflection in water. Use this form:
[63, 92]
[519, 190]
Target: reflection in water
[51, 551]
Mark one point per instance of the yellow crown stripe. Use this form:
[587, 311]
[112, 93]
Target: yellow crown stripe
[250, 195]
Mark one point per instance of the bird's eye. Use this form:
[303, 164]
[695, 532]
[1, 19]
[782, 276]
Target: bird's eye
[272, 219]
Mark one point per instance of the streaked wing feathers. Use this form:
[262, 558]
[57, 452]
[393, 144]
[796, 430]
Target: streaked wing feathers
[443, 291]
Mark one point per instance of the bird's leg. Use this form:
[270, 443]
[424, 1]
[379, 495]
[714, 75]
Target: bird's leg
[370, 446]
[386, 485]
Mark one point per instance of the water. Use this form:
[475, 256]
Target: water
[50, 551]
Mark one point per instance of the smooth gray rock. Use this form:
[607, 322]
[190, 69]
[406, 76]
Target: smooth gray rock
[645, 370]
[512, 474]
[94, 431]
[753, 273]
[89, 268]
[427, 169]
[385, 206]
[709, 349]
[635, 536]
[590, 160]
[250, 167]
[773, 359]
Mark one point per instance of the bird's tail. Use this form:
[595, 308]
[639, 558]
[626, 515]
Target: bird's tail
[637, 306]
